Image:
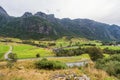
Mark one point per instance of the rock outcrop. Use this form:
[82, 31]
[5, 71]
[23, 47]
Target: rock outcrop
[27, 14]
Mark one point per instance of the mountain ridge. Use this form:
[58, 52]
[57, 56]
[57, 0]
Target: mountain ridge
[41, 25]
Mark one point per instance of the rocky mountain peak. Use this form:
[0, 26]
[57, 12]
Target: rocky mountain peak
[27, 14]
[41, 14]
[3, 12]
[49, 17]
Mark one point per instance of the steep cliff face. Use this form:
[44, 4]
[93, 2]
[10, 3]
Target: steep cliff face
[3, 12]
[4, 17]
[36, 25]
[41, 25]
[49, 17]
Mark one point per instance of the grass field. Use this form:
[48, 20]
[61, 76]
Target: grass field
[3, 50]
[28, 51]
[111, 47]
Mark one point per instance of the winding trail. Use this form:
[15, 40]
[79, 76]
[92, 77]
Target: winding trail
[6, 54]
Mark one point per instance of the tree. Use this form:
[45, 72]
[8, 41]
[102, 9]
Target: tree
[95, 53]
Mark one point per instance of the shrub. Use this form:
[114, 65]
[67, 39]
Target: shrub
[95, 53]
[111, 65]
[46, 64]
[110, 51]
[68, 52]
[51, 44]
[13, 57]
[37, 55]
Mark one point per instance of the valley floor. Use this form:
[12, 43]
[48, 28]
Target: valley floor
[24, 68]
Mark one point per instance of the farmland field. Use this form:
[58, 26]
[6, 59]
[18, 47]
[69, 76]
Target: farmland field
[28, 51]
[110, 47]
[3, 50]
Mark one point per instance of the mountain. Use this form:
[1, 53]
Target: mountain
[91, 29]
[41, 25]
[30, 26]
[3, 12]
[4, 17]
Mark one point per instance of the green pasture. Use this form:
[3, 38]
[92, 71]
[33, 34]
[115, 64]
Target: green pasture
[3, 50]
[111, 47]
[28, 51]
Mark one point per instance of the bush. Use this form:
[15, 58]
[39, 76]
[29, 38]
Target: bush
[110, 51]
[51, 44]
[13, 57]
[111, 65]
[37, 55]
[68, 52]
[94, 52]
[46, 64]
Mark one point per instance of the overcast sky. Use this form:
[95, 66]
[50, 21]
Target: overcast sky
[107, 11]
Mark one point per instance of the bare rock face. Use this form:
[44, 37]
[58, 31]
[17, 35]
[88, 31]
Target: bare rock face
[40, 29]
[44, 30]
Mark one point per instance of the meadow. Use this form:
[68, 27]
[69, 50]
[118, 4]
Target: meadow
[28, 51]
[110, 47]
[24, 51]
[3, 50]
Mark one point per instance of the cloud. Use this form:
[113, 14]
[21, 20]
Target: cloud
[100, 10]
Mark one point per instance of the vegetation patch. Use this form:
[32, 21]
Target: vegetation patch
[28, 51]
[3, 50]
[110, 65]
[46, 64]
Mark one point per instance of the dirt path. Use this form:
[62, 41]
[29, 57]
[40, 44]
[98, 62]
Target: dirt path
[6, 54]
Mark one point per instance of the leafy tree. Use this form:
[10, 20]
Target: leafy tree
[95, 53]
